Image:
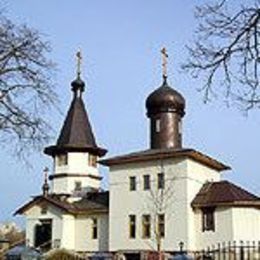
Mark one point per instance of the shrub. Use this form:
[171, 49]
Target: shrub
[62, 254]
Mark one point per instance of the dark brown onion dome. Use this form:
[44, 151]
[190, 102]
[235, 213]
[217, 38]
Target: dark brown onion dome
[78, 85]
[165, 99]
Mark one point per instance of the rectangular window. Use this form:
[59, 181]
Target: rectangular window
[146, 182]
[62, 159]
[180, 127]
[157, 125]
[44, 209]
[92, 160]
[94, 228]
[161, 225]
[208, 221]
[132, 183]
[160, 180]
[146, 223]
[132, 226]
[78, 185]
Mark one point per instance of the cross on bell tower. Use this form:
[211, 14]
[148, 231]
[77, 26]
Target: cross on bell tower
[79, 61]
[78, 85]
[76, 152]
[164, 62]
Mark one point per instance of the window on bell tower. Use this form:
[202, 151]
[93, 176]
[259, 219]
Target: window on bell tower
[78, 185]
[62, 159]
[92, 160]
[180, 127]
[157, 125]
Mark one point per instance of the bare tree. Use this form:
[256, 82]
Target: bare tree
[158, 204]
[160, 201]
[25, 87]
[11, 235]
[225, 53]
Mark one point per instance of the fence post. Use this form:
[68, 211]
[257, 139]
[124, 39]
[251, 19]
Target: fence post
[219, 252]
[254, 249]
[248, 250]
[229, 250]
[258, 253]
[208, 253]
[203, 254]
[224, 250]
[241, 251]
[235, 250]
[213, 252]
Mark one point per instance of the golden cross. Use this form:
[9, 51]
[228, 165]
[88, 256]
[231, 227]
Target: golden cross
[79, 58]
[164, 61]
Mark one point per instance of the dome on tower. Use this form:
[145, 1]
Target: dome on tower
[76, 134]
[165, 99]
[78, 85]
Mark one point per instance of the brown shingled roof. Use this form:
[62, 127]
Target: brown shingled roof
[77, 129]
[159, 154]
[76, 133]
[93, 202]
[224, 193]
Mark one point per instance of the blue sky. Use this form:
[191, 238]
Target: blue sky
[121, 42]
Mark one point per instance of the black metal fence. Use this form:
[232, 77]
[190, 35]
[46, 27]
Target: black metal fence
[249, 250]
[223, 251]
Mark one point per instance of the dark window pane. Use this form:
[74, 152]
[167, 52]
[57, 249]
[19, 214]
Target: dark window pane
[132, 183]
[94, 228]
[208, 221]
[146, 182]
[44, 209]
[146, 221]
[160, 180]
[132, 226]
[161, 225]
[78, 185]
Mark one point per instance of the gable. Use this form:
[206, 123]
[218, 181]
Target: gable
[34, 207]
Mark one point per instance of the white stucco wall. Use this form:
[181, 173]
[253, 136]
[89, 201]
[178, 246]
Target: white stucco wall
[184, 176]
[197, 175]
[246, 224]
[231, 224]
[77, 164]
[68, 232]
[223, 229]
[73, 233]
[33, 217]
[83, 233]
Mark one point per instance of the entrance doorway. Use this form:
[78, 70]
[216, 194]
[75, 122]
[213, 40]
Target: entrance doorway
[132, 256]
[43, 234]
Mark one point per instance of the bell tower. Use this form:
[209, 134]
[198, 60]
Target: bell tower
[165, 109]
[76, 152]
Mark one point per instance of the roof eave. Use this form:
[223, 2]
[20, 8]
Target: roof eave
[89, 211]
[54, 150]
[186, 153]
[227, 204]
[35, 201]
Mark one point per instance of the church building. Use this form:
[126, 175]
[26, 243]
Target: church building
[159, 199]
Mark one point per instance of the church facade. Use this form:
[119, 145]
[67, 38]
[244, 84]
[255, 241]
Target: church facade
[159, 199]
